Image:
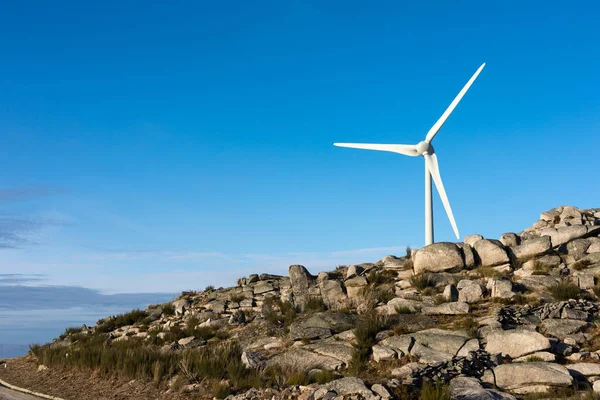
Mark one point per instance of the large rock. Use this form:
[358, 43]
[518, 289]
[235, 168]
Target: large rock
[577, 248]
[468, 254]
[532, 247]
[510, 239]
[538, 283]
[491, 252]
[456, 308]
[584, 369]
[341, 351]
[516, 343]
[354, 270]
[450, 293]
[469, 291]
[301, 281]
[302, 359]
[468, 388]
[399, 303]
[500, 288]
[383, 353]
[332, 293]
[562, 328]
[562, 235]
[449, 342]
[401, 344]
[181, 306]
[471, 239]
[533, 377]
[438, 257]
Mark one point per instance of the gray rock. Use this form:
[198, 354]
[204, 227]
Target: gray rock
[539, 355]
[305, 360]
[470, 345]
[449, 342]
[339, 351]
[509, 239]
[438, 257]
[491, 252]
[471, 239]
[429, 356]
[562, 328]
[383, 353]
[354, 270]
[301, 281]
[562, 235]
[532, 247]
[406, 370]
[584, 369]
[468, 254]
[578, 248]
[467, 388]
[263, 287]
[412, 305]
[469, 291]
[450, 293]
[522, 378]
[538, 283]
[585, 280]
[332, 293]
[381, 391]
[456, 308]
[348, 385]
[400, 344]
[500, 288]
[516, 343]
[181, 306]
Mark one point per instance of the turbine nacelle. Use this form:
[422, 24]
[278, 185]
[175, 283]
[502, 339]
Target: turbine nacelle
[424, 148]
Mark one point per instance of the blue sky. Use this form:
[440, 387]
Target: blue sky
[164, 147]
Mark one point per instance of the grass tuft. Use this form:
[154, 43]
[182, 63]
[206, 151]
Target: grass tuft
[563, 291]
[422, 281]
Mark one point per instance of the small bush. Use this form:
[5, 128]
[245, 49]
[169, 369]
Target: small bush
[130, 318]
[209, 288]
[540, 268]
[422, 281]
[487, 272]
[430, 291]
[408, 255]
[364, 334]
[581, 265]
[534, 359]
[221, 390]
[439, 299]
[168, 309]
[403, 310]
[381, 277]
[315, 303]
[439, 391]
[564, 291]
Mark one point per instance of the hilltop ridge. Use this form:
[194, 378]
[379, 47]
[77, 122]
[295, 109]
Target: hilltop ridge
[479, 319]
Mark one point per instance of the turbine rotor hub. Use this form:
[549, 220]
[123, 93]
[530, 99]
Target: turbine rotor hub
[424, 148]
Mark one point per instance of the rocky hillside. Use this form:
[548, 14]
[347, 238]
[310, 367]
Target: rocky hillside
[482, 319]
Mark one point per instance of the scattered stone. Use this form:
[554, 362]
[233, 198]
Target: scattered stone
[383, 353]
[348, 385]
[450, 293]
[562, 328]
[469, 291]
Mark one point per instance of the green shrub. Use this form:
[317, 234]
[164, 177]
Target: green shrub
[408, 255]
[403, 310]
[581, 265]
[168, 309]
[439, 391]
[564, 291]
[364, 334]
[130, 318]
[422, 281]
[209, 288]
[381, 277]
[534, 359]
[487, 272]
[315, 303]
[220, 390]
[540, 268]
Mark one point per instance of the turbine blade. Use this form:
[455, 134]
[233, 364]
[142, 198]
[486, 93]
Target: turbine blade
[406, 149]
[438, 125]
[432, 165]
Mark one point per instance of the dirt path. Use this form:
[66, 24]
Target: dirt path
[7, 394]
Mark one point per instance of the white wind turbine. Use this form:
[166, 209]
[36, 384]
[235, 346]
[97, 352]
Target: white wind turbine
[425, 149]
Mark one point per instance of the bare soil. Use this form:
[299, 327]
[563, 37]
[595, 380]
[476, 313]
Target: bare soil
[72, 384]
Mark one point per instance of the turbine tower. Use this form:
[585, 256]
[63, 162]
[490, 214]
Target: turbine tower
[432, 170]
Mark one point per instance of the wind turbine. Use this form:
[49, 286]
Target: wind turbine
[432, 170]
